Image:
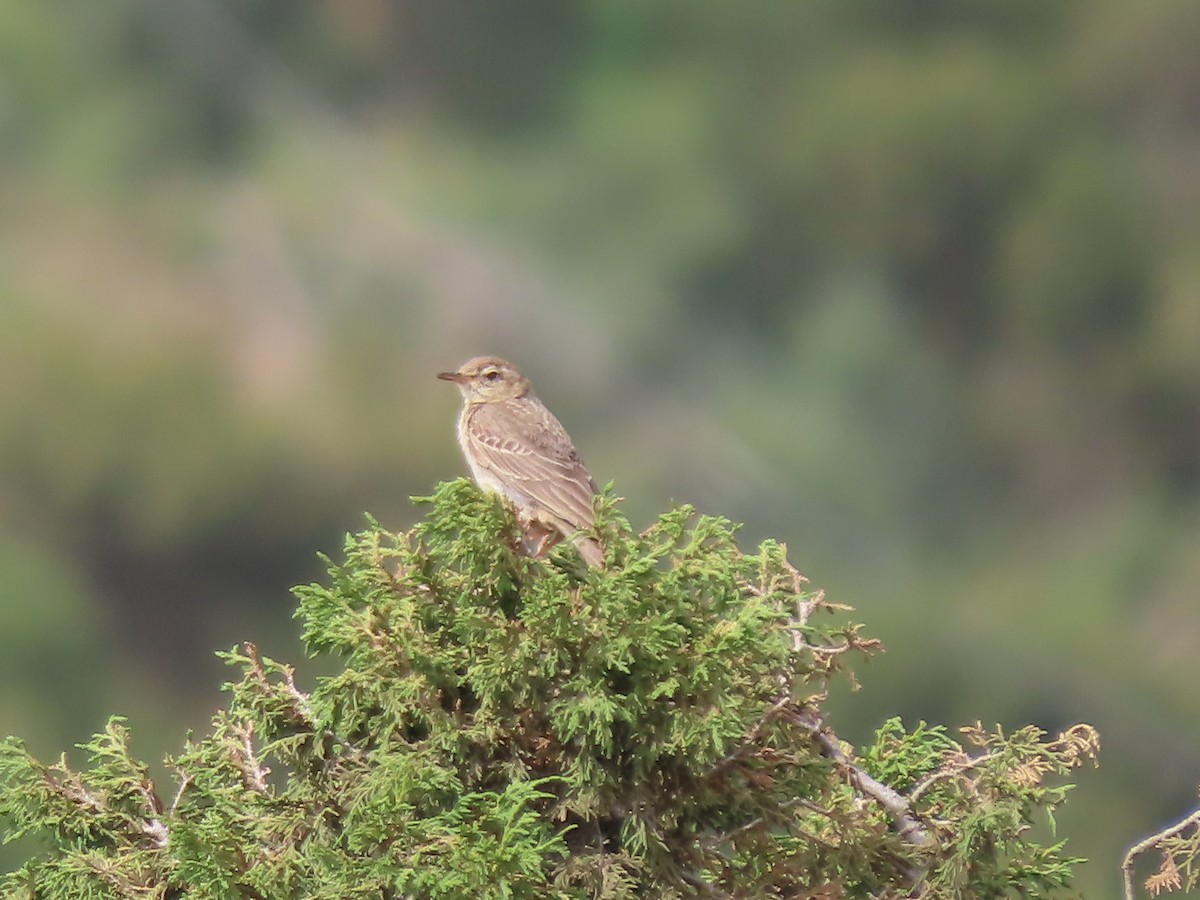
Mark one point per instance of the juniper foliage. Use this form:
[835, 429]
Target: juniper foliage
[516, 728]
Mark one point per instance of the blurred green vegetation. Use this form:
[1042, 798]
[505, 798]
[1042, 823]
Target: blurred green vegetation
[915, 288]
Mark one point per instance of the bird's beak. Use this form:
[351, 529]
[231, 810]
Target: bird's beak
[456, 377]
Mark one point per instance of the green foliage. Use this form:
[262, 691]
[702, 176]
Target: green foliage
[982, 805]
[511, 727]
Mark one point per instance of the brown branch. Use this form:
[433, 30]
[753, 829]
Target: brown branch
[298, 697]
[759, 821]
[703, 887]
[907, 825]
[75, 791]
[301, 709]
[1192, 820]
[152, 826]
[254, 774]
[185, 781]
[752, 736]
[951, 769]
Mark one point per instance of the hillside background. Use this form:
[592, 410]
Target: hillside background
[913, 287]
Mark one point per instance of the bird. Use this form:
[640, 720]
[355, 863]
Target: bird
[515, 447]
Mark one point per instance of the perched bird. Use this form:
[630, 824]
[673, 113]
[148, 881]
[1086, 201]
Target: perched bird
[515, 447]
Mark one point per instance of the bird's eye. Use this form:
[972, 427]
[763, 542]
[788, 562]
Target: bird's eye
[491, 374]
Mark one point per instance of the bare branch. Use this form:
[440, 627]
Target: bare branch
[254, 775]
[752, 736]
[906, 824]
[153, 827]
[185, 781]
[1192, 820]
[299, 698]
[957, 765]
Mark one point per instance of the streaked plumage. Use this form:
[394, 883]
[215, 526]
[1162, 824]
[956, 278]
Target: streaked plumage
[515, 447]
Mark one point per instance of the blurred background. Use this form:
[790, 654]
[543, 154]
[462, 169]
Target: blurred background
[912, 287]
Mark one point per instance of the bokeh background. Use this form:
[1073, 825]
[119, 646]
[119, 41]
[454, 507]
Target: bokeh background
[913, 287]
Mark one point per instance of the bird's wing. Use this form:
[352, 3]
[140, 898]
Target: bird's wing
[523, 445]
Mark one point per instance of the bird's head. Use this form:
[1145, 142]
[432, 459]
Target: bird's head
[486, 379]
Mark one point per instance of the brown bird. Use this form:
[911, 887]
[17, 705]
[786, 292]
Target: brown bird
[515, 447]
